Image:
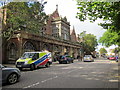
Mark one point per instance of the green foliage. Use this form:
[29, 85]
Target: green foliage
[25, 16]
[113, 51]
[109, 12]
[109, 38]
[116, 50]
[103, 51]
[89, 42]
[16, 14]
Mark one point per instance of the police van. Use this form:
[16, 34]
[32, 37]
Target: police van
[34, 60]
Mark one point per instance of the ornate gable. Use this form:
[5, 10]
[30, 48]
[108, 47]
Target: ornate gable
[73, 35]
[55, 13]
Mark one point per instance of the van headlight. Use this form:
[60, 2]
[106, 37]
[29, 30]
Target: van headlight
[16, 63]
[26, 62]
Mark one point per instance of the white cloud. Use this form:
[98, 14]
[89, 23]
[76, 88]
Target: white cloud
[69, 9]
[107, 48]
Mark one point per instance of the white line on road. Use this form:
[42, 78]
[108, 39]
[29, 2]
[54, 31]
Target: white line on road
[72, 71]
[48, 79]
[113, 80]
[31, 85]
[39, 83]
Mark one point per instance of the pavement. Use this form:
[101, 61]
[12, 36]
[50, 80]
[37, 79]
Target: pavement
[13, 65]
[55, 63]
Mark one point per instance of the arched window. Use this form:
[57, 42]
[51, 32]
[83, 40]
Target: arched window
[12, 51]
[56, 48]
[29, 47]
[46, 47]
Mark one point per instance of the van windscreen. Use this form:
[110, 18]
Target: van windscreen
[27, 55]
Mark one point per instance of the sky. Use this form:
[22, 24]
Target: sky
[69, 9]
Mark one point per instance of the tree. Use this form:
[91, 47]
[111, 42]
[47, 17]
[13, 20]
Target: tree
[116, 50]
[109, 12]
[25, 16]
[89, 42]
[103, 51]
[109, 38]
[16, 17]
[38, 15]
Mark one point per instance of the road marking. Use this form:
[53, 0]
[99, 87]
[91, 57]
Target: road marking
[66, 68]
[48, 79]
[31, 85]
[96, 79]
[93, 72]
[39, 83]
[72, 71]
[81, 67]
[71, 67]
[84, 75]
[113, 80]
[89, 78]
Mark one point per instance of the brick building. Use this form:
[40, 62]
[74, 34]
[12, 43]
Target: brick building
[55, 37]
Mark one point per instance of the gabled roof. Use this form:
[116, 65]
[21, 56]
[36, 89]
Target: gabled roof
[73, 35]
[73, 31]
[55, 14]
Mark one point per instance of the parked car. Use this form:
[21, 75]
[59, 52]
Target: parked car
[112, 58]
[65, 59]
[9, 75]
[88, 58]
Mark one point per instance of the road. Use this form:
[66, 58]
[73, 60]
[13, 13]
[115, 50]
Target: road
[101, 73]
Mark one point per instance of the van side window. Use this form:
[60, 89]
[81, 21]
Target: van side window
[36, 56]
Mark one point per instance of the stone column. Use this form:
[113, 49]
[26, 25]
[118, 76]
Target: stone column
[20, 47]
[68, 50]
[75, 50]
[71, 51]
[63, 50]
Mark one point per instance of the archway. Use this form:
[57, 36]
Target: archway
[29, 46]
[12, 51]
[45, 47]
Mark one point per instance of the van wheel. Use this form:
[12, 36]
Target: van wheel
[32, 67]
[47, 64]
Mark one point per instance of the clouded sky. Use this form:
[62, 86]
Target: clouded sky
[69, 9]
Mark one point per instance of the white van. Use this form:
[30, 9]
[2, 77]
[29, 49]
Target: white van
[33, 60]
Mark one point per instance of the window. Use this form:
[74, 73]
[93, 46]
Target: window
[27, 55]
[12, 51]
[29, 47]
[36, 56]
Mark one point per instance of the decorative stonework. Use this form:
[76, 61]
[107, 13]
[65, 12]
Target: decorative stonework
[56, 38]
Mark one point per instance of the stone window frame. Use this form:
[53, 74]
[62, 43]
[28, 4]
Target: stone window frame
[31, 46]
[12, 50]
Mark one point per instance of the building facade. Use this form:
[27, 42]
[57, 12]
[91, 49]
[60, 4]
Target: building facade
[55, 37]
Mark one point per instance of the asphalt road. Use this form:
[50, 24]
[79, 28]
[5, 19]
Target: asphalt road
[101, 73]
